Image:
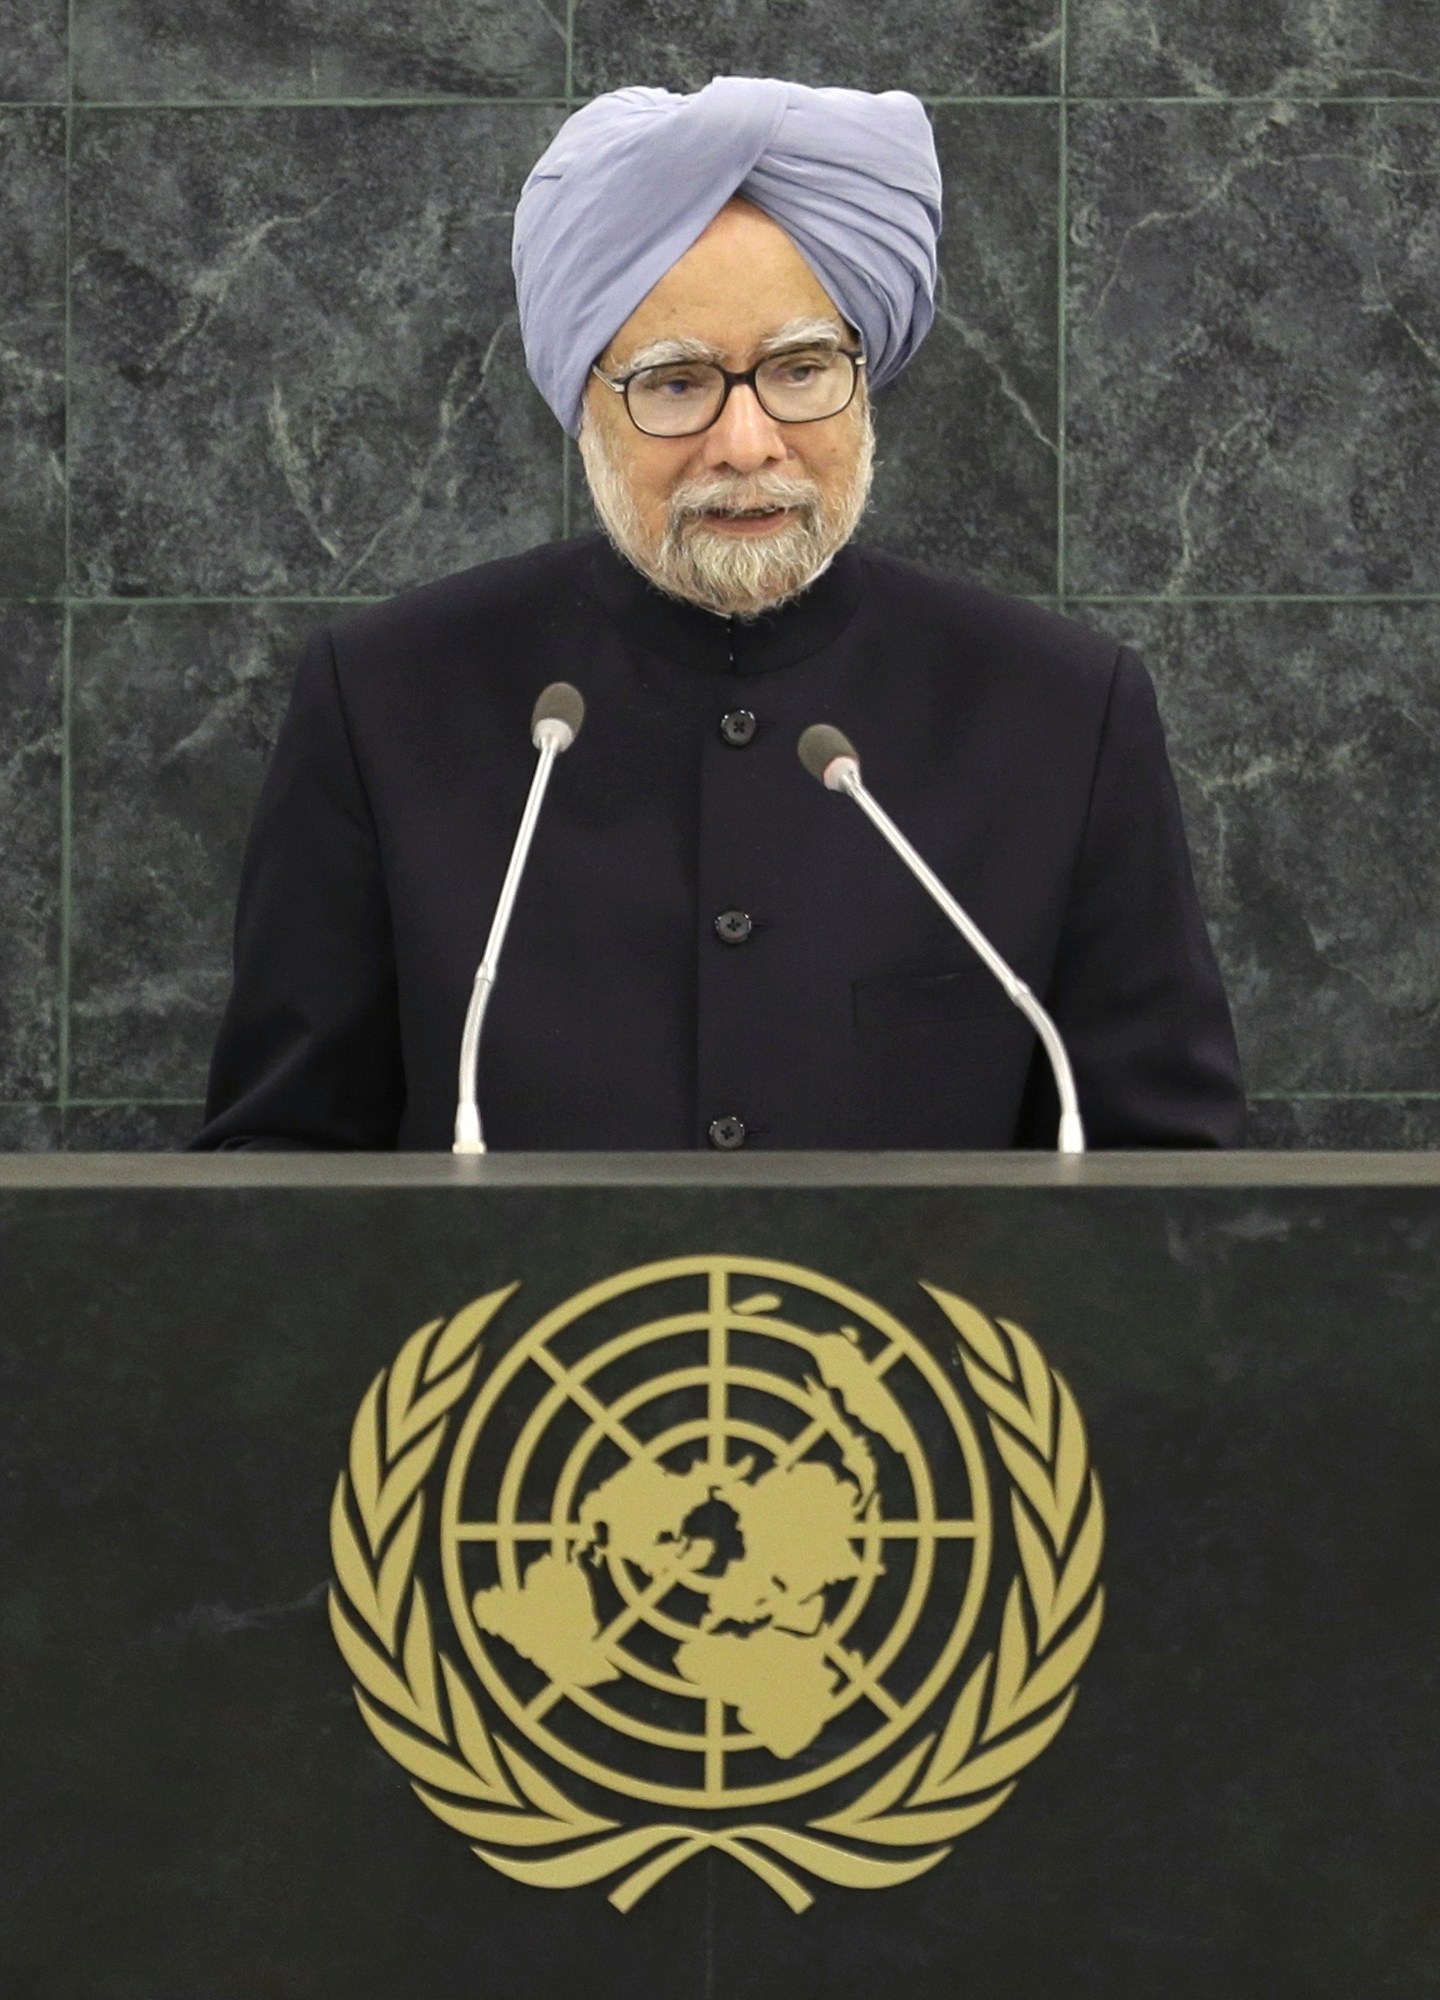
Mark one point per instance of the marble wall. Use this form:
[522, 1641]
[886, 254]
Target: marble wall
[258, 358]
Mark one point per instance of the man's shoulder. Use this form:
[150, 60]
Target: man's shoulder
[539, 587]
[1015, 635]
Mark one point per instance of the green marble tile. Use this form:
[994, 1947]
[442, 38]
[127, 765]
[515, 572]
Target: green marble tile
[175, 711]
[302, 48]
[1302, 737]
[1000, 47]
[1280, 48]
[32, 354]
[297, 367]
[1254, 340]
[31, 643]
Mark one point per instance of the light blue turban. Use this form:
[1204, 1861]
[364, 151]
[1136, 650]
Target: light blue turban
[631, 181]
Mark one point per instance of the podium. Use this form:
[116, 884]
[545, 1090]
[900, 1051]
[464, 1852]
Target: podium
[745, 1577]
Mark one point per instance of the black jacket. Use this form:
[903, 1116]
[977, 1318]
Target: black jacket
[1022, 754]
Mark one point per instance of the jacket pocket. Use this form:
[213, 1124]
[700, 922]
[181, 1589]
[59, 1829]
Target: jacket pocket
[914, 1000]
[941, 1059]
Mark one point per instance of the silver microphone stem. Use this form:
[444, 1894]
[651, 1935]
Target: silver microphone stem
[468, 1136]
[847, 779]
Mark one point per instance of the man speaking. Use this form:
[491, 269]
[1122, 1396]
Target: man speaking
[709, 949]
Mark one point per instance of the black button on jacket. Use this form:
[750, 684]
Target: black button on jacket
[1021, 754]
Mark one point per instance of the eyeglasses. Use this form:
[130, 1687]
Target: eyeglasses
[682, 398]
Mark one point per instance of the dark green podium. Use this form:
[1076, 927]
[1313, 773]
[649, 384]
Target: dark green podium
[741, 1577]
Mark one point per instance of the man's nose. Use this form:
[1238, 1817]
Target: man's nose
[744, 436]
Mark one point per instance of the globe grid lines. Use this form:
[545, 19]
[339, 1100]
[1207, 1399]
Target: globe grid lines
[570, 1382]
[680, 1435]
[866, 1681]
[648, 1603]
[607, 1420]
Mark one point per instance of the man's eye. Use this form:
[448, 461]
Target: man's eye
[799, 371]
[675, 384]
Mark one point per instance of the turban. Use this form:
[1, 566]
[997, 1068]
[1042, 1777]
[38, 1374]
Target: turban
[632, 179]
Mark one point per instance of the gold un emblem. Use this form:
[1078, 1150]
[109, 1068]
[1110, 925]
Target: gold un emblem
[720, 1568]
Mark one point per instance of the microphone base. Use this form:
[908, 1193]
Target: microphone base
[468, 1139]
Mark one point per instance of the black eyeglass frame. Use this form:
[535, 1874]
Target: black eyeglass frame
[747, 379]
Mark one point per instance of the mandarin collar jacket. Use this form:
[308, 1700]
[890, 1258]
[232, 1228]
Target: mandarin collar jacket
[708, 947]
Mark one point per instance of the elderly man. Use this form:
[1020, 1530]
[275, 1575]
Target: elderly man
[710, 949]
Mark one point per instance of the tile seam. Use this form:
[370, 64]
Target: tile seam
[67, 760]
[133, 1103]
[260, 600]
[1344, 1096]
[308, 103]
[1062, 307]
[1257, 97]
[569, 101]
[257, 598]
[1256, 597]
[1064, 27]
[193, 1103]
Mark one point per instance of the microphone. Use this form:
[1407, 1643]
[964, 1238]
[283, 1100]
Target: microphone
[554, 725]
[830, 757]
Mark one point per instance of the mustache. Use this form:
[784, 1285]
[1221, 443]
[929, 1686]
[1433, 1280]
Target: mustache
[703, 496]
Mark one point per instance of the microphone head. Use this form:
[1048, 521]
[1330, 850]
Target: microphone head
[559, 712]
[820, 747]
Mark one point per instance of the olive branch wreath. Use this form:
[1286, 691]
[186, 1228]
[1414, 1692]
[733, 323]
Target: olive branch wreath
[419, 1709]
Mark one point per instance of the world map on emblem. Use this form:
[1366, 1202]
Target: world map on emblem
[716, 1531]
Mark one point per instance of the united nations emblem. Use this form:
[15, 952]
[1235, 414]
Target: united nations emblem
[716, 1568]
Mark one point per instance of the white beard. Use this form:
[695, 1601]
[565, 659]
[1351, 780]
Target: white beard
[735, 576]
